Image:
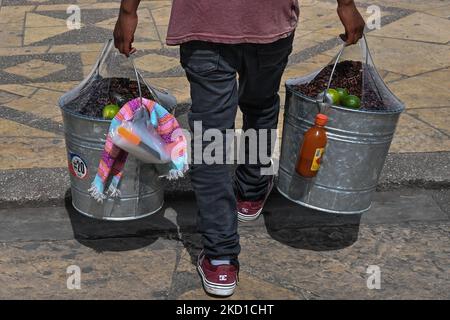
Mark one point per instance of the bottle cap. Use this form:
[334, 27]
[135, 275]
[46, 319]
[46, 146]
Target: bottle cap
[321, 119]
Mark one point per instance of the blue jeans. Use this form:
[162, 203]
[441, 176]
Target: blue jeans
[211, 69]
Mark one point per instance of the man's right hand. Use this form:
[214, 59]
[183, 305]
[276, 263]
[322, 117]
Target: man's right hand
[126, 27]
[352, 21]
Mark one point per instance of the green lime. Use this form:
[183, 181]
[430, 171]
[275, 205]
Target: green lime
[343, 92]
[332, 97]
[351, 101]
[110, 111]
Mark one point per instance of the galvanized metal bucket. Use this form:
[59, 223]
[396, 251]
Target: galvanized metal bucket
[142, 192]
[358, 143]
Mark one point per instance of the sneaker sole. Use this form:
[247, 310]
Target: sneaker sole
[247, 217]
[252, 217]
[216, 289]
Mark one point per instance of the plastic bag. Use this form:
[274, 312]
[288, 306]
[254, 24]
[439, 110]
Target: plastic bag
[352, 69]
[139, 138]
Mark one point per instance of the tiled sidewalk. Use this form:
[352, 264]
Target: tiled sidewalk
[40, 58]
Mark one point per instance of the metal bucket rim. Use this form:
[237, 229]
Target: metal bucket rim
[310, 206]
[289, 87]
[118, 219]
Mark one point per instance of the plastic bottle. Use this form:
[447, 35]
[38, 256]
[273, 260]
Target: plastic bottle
[313, 148]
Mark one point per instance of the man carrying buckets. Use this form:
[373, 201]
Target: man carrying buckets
[219, 40]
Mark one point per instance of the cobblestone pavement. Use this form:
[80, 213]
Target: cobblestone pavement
[40, 58]
[290, 253]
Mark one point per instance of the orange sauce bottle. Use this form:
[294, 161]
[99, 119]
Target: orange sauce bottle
[312, 149]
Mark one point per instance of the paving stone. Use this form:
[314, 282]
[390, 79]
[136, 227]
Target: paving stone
[39, 271]
[25, 147]
[86, 71]
[89, 58]
[52, 7]
[307, 39]
[424, 91]
[300, 261]
[178, 86]
[11, 129]
[33, 35]
[304, 68]
[100, 5]
[61, 87]
[416, 136]
[14, 14]
[145, 30]
[55, 60]
[392, 76]
[45, 107]
[18, 89]
[11, 38]
[49, 97]
[155, 4]
[407, 4]
[21, 153]
[7, 97]
[408, 57]
[23, 50]
[437, 117]
[148, 45]
[161, 16]
[34, 20]
[35, 69]
[417, 26]
[443, 12]
[95, 47]
[155, 63]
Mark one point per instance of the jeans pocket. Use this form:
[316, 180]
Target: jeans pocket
[199, 58]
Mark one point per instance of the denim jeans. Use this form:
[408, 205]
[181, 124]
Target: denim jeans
[216, 93]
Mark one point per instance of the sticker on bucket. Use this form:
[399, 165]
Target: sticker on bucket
[77, 166]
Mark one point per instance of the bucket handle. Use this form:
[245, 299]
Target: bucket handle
[150, 88]
[139, 77]
[338, 56]
[139, 83]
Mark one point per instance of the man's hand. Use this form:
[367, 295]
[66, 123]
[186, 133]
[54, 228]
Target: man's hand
[126, 26]
[352, 20]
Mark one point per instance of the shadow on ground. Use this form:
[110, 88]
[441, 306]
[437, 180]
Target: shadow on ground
[103, 235]
[309, 229]
[285, 222]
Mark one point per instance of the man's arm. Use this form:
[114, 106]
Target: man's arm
[126, 26]
[352, 20]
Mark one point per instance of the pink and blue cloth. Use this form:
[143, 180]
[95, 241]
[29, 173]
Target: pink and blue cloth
[113, 158]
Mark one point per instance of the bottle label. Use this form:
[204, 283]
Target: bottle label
[317, 159]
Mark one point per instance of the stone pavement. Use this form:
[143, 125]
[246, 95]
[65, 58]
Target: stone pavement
[289, 253]
[40, 58]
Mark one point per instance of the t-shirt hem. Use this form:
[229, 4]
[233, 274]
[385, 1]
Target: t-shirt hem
[226, 39]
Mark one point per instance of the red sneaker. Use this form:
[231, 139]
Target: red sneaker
[250, 210]
[217, 280]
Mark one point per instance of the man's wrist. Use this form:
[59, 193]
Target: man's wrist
[345, 3]
[129, 7]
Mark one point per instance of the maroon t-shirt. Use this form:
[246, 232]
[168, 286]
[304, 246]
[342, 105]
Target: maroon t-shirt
[231, 21]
